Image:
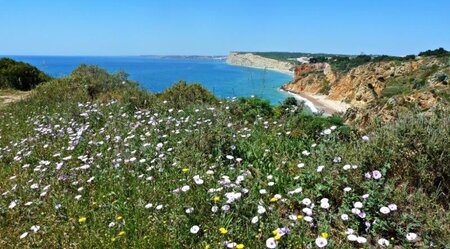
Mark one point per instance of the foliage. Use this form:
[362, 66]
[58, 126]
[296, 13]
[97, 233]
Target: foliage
[182, 94]
[19, 75]
[437, 52]
[106, 170]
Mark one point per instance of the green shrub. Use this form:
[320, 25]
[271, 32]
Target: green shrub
[182, 94]
[251, 108]
[19, 75]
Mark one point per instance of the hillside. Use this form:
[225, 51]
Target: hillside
[93, 161]
[257, 61]
[379, 89]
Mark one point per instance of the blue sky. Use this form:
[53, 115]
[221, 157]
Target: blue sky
[209, 27]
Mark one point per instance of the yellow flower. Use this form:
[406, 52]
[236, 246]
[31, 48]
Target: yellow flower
[277, 237]
[275, 232]
[299, 216]
[223, 230]
[207, 246]
[324, 235]
[121, 233]
[184, 170]
[119, 218]
[113, 239]
[240, 246]
[82, 219]
[216, 198]
[274, 199]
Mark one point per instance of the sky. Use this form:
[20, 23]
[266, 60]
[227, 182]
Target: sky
[209, 27]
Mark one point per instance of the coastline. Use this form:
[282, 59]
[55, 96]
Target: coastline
[316, 103]
[319, 103]
[288, 72]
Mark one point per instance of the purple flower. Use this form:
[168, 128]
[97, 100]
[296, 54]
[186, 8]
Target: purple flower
[376, 174]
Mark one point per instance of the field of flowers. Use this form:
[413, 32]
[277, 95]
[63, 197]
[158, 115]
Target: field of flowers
[127, 169]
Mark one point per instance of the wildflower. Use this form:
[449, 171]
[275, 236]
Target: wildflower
[385, 210]
[240, 246]
[113, 239]
[12, 204]
[273, 199]
[216, 198]
[358, 204]
[383, 242]
[23, 235]
[365, 138]
[392, 207]
[189, 210]
[320, 168]
[82, 219]
[376, 174]
[271, 243]
[184, 170]
[308, 218]
[361, 240]
[35, 228]
[185, 188]
[255, 220]
[344, 217]
[148, 205]
[121, 233]
[195, 229]
[119, 218]
[347, 189]
[321, 242]
[299, 216]
[324, 235]
[223, 230]
[306, 201]
[411, 237]
[261, 209]
[198, 180]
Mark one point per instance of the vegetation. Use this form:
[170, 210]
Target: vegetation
[344, 63]
[93, 161]
[19, 75]
[436, 52]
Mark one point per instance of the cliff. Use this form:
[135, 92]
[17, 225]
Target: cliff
[378, 89]
[256, 61]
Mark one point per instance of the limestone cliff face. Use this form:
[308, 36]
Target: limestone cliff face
[364, 87]
[256, 61]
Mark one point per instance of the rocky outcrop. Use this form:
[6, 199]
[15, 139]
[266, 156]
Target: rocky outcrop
[256, 61]
[364, 87]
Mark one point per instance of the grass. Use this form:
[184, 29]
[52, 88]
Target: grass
[124, 168]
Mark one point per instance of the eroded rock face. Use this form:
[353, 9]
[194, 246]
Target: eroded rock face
[363, 86]
[256, 61]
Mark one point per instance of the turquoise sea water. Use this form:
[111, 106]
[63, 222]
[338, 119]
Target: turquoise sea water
[157, 74]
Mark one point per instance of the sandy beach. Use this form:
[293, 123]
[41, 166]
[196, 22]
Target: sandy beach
[320, 103]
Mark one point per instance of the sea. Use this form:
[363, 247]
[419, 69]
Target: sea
[157, 74]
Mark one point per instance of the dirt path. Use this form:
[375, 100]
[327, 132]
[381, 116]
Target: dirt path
[11, 96]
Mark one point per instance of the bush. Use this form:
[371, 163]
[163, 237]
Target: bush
[19, 75]
[437, 52]
[181, 95]
[251, 108]
[97, 80]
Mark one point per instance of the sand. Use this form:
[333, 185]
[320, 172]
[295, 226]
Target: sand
[319, 103]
